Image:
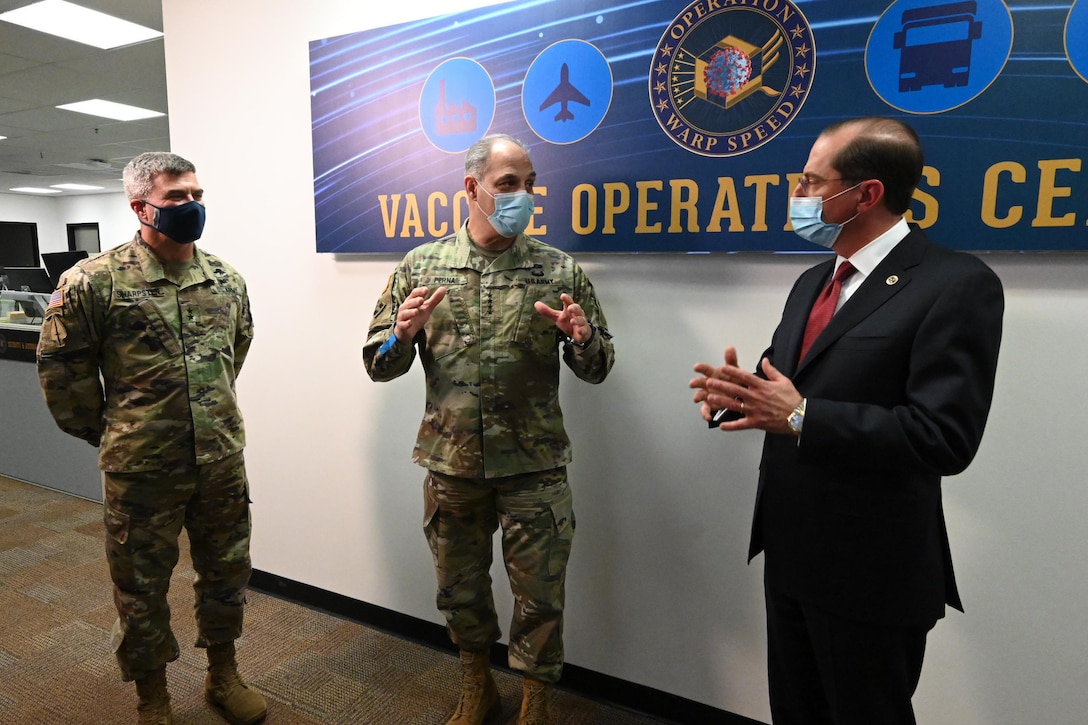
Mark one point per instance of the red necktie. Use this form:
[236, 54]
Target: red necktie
[824, 308]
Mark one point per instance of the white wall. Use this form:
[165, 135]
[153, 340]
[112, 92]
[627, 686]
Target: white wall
[43, 211]
[659, 593]
[116, 222]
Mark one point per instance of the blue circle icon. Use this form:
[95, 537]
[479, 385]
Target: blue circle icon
[1076, 38]
[567, 91]
[930, 57]
[457, 105]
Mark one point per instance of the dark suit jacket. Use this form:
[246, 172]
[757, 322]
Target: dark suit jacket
[899, 387]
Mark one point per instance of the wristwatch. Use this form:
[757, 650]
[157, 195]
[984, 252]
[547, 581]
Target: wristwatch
[796, 419]
[584, 345]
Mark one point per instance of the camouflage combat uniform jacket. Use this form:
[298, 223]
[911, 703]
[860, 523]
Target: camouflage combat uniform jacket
[168, 353]
[491, 360]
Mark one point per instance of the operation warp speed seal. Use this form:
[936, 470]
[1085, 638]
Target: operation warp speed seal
[728, 75]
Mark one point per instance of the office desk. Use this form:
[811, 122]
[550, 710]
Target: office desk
[32, 447]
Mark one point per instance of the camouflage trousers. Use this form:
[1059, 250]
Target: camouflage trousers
[536, 514]
[144, 514]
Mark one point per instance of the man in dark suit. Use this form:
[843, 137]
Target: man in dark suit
[890, 396]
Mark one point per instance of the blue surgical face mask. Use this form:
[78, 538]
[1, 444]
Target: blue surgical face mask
[183, 223]
[807, 217]
[513, 211]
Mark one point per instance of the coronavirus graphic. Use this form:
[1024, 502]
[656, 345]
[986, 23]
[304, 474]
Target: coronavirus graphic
[729, 69]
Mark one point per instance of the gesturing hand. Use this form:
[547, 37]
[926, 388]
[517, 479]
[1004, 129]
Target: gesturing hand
[571, 320]
[705, 397]
[414, 312]
[764, 402]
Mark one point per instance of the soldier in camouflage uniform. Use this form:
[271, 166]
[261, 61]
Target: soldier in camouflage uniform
[138, 355]
[487, 309]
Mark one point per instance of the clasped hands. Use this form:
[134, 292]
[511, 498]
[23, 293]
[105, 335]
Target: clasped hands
[765, 403]
[416, 310]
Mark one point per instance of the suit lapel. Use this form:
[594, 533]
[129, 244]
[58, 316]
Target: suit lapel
[891, 276]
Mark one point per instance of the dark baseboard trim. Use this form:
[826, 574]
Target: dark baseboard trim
[586, 682]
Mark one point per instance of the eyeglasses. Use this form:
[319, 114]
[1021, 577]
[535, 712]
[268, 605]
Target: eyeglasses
[806, 181]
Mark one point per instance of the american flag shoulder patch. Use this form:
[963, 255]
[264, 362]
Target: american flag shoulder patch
[57, 300]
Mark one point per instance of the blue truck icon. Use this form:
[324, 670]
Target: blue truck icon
[934, 44]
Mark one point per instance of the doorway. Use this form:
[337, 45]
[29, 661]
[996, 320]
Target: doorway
[84, 237]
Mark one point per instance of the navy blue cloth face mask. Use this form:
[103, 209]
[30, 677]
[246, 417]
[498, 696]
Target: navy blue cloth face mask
[183, 223]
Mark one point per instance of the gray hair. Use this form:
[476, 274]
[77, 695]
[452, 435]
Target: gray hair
[480, 153]
[139, 174]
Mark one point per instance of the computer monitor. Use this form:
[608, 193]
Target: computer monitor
[57, 263]
[30, 279]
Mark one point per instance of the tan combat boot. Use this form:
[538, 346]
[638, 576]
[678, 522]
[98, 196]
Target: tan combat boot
[154, 705]
[536, 702]
[479, 695]
[224, 689]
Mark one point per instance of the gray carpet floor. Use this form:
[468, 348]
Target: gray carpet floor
[56, 612]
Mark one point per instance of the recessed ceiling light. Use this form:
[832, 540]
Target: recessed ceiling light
[75, 187]
[35, 190]
[83, 25]
[109, 109]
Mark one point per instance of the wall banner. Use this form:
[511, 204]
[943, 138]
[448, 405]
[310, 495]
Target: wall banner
[665, 126]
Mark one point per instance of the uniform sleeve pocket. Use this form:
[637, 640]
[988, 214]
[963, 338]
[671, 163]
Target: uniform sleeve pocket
[54, 334]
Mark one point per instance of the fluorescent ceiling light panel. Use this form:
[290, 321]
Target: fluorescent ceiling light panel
[83, 25]
[35, 190]
[75, 187]
[109, 109]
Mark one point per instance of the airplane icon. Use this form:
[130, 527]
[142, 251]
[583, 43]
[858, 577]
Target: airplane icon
[563, 94]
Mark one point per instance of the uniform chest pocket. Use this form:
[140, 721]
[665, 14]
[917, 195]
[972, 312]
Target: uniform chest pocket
[534, 329]
[146, 323]
[450, 328]
[209, 325]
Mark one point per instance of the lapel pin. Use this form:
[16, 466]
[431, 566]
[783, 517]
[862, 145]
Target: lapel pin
[892, 279]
